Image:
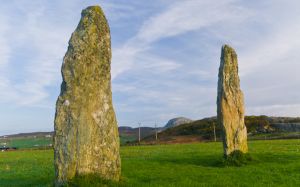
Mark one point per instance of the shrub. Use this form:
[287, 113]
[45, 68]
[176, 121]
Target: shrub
[237, 158]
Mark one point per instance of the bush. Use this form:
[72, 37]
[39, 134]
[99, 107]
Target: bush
[237, 158]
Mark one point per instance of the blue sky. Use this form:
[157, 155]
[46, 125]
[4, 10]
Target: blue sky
[165, 57]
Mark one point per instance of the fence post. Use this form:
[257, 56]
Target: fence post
[139, 132]
[215, 137]
[155, 132]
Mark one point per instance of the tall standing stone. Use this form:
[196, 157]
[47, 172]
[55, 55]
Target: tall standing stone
[86, 134]
[230, 103]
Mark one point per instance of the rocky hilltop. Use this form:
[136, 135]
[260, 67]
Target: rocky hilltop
[177, 121]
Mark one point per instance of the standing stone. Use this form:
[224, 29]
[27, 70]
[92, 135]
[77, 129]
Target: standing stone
[86, 134]
[230, 104]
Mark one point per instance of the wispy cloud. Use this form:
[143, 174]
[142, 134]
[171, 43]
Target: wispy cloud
[185, 16]
[42, 31]
[177, 19]
[38, 70]
[5, 50]
[166, 84]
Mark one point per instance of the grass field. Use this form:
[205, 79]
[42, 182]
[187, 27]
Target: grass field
[277, 163]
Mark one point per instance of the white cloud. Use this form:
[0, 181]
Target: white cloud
[42, 67]
[264, 39]
[276, 110]
[5, 52]
[122, 59]
[179, 18]
[185, 16]
[272, 49]
[41, 28]
[4, 48]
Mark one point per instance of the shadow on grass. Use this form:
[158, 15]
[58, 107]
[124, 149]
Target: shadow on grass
[24, 182]
[276, 158]
[211, 160]
[235, 160]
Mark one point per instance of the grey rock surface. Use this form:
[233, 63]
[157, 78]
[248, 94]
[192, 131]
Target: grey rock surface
[286, 127]
[176, 122]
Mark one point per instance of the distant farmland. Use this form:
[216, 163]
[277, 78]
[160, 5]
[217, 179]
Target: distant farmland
[27, 141]
[258, 127]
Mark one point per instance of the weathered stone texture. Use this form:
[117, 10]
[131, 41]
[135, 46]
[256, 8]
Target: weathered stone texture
[86, 134]
[230, 103]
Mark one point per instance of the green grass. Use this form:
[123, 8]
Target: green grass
[277, 163]
[26, 168]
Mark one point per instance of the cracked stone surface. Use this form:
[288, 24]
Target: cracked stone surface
[86, 133]
[230, 104]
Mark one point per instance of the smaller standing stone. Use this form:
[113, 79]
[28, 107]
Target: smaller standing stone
[230, 104]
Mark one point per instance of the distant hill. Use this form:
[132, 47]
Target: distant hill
[258, 127]
[129, 134]
[176, 122]
[31, 134]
